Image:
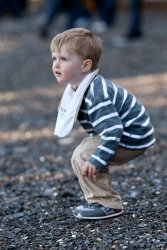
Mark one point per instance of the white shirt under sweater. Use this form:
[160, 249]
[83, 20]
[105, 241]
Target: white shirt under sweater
[117, 117]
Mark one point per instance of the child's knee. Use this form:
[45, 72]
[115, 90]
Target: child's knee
[77, 160]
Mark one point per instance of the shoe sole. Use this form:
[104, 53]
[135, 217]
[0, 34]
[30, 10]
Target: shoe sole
[79, 216]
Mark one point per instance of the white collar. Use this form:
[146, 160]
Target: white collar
[70, 104]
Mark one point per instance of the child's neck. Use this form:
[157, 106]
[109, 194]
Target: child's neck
[75, 85]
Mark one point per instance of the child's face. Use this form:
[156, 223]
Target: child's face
[67, 67]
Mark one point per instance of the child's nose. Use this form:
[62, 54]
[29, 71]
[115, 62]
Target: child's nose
[56, 64]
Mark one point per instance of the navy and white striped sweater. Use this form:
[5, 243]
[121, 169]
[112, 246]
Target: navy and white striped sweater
[114, 114]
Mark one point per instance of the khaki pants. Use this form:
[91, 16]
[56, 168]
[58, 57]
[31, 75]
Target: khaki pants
[99, 189]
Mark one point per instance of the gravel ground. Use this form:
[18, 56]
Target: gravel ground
[37, 186]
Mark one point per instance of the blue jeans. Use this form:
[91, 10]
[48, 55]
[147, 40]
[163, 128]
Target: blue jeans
[107, 10]
[135, 16]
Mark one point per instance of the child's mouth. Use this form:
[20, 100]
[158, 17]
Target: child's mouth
[58, 73]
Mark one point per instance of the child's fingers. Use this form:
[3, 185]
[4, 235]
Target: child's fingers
[92, 171]
[89, 170]
[85, 172]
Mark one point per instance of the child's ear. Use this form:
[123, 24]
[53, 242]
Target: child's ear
[87, 65]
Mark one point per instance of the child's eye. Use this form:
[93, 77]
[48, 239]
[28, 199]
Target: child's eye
[63, 58]
[54, 58]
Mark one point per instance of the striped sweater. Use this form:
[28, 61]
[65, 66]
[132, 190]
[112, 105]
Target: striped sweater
[114, 114]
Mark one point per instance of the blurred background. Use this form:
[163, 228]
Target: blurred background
[135, 55]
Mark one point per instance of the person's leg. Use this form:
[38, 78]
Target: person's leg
[15, 8]
[124, 155]
[52, 11]
[52, 8]
[98, 189]
[135, 19]
[78, 15]
[107, 11]
[3, 8]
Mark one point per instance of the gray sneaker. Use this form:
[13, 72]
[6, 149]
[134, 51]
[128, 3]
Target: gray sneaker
[95, 211]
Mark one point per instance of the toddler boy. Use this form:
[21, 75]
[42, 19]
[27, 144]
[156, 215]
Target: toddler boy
[117, 123]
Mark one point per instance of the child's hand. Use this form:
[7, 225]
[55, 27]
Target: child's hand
[89, 170]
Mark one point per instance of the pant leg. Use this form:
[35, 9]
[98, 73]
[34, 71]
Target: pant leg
[76, 13]
[3, 8]
[53, 10]
[107, 10]
[98, 189]
[135, 16]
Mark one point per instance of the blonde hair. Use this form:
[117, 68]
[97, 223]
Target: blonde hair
[81, 41]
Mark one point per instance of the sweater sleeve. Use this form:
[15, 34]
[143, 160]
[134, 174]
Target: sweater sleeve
[108, 125]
